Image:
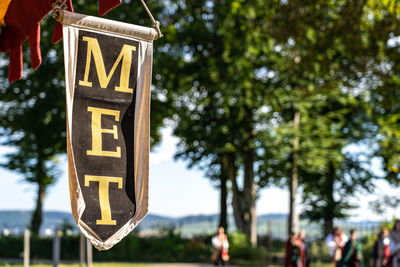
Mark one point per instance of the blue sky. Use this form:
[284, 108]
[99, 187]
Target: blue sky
[174, 190]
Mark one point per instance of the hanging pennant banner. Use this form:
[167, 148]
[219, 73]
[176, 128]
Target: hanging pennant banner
[108, 68]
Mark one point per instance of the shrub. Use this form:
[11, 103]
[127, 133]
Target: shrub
[320, 252]
[242, 252]
[11, 246]
[170, 247]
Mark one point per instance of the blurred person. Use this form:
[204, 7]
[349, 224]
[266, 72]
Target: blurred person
[294, 256]
[335, 242]
[394, 245]
[352, 253]
[306, 247]
[381, 250]
[220, 244]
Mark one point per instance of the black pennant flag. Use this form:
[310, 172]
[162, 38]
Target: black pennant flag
[108, 76]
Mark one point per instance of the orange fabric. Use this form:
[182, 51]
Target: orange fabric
[3, 9]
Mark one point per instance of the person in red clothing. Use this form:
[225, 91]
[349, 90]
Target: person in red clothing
[220, 243]
[381, 250]
[306, 247]
[295, 256]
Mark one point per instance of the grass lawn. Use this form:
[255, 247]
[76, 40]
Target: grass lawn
[111, 264]
[77, 265]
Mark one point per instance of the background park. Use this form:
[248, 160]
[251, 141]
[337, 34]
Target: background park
[266, 117]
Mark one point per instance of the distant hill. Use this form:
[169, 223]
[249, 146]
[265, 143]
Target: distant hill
[274, 224]
[16, 221]
[273, 216]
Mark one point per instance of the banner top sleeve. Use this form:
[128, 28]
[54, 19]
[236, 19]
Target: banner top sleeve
[107, 26]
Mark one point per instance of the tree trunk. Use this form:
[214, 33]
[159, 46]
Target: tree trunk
[223, 207]
[237, 199]
[243, 202]
[328, 218]
[250, 195]
[37, 215]
[293, 220]
[328, 226]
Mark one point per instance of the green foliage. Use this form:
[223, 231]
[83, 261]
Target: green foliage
[238, 240]
[11, 246]
[168, 248]
[329, 169]
[217, 98]
[383, 84]
[324, 66]
[367, 247]
[242, 70]
[241, 251]
[320, 252]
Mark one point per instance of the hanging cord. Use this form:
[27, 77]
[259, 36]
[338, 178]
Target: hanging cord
[156, 23]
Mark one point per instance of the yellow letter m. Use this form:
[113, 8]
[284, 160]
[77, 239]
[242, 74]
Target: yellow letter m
[93, 48]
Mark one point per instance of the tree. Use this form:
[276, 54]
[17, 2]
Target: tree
[216, 47]
[236, 60]
[383, 86]
[326, 46]
[335, 174]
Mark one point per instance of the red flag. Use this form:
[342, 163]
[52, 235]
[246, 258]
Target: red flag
[22, 21]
